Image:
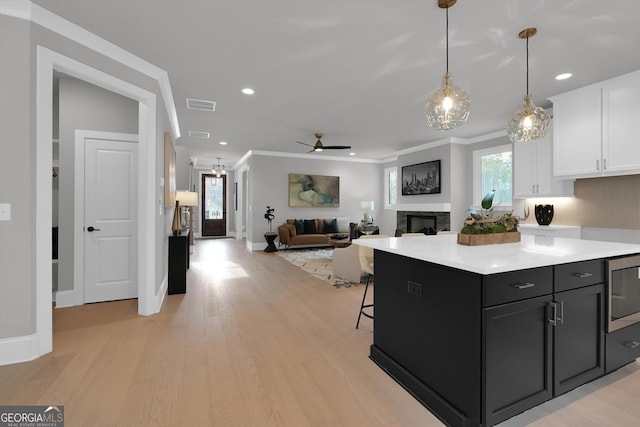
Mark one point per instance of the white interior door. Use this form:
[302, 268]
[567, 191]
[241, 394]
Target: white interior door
[110, 230]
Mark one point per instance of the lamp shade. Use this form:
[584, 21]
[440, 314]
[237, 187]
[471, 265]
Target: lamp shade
[187, 198]
[366, 205]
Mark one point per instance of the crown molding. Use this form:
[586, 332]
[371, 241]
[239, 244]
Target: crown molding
[24, 9]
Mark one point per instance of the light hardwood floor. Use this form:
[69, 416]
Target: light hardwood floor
[254, 342]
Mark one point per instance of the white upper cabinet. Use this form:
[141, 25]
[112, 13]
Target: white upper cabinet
[620, 124]
[594, 131]
[532, 173]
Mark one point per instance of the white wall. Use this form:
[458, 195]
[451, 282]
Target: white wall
[269, 185]
[19, 40]
[86, 107]
[17, 180]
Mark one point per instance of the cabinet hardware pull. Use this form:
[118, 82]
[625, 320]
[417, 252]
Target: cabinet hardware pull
[554, 313]
[561, 318]
[90, 229]
[582, 275]
[533, 188]
[604, 164]
[537, 188]
[597, 165]
[631, 344]
[523, 285]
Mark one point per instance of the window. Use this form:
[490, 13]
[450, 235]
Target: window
[390, 187]
[492, 171]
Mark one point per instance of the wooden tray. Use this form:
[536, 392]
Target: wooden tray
[488, 239]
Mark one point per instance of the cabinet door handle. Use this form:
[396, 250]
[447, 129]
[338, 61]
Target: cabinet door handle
[604, 164]
[533, 188]
[582, 275]
[91, 229]
[523, 285]
[554, 313]
[597, 165]
[561, 318]
[537, 189]
[631, 344]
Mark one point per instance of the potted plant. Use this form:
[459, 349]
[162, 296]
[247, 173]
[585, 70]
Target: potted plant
[483, 228]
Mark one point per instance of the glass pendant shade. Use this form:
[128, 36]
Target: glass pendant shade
[528, 123]
[448, 107]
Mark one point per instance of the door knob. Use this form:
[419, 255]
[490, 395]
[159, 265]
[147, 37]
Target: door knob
[91, 229]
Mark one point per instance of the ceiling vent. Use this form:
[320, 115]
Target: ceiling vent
[200, 104]
[203, 135]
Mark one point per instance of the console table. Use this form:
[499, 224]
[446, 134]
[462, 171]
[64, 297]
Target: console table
[178, 263]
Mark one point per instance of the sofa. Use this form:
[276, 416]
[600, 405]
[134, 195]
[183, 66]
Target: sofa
[312, 232]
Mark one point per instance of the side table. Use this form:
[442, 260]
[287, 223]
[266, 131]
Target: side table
[270, 237]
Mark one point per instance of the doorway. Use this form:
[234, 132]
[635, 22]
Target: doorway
[214, 205]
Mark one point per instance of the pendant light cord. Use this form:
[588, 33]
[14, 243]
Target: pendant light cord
[447, 37]
[527, 66]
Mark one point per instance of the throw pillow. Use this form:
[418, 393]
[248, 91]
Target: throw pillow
[310, 226]
[330, 226]
[343, 225]
[299, 226]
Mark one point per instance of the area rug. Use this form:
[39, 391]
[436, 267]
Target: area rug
[317, 262]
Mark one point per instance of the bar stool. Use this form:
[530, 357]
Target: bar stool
[365, 256]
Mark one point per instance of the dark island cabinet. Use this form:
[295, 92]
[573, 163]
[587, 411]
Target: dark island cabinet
[518, 357]
[535, 334]
[578, 337]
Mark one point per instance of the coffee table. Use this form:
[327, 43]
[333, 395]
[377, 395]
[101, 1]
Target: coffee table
[340, 243]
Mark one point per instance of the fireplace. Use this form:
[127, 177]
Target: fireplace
[423, 222]
[427, 224]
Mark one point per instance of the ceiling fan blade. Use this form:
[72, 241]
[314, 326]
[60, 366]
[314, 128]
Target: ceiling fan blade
[304, 143]
[337, 147]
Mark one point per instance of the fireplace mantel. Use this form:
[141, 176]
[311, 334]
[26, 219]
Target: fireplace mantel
[423, 207]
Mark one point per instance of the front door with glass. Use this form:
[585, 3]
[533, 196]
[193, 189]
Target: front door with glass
[214, 202]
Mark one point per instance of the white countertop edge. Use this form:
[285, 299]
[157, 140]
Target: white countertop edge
[530, 252]
[548, 227]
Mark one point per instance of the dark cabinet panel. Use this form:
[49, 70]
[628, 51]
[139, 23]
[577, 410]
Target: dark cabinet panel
[578, 274]
[517, 359]
[623, 346]
[512, 286]
[578, 337]
[427, 320]
[178, 263]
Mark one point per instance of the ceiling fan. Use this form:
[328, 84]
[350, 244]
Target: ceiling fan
[318, 146]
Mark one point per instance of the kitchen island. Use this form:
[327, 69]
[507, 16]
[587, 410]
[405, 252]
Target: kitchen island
[479, 334]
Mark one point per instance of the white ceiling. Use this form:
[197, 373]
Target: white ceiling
[357, 70]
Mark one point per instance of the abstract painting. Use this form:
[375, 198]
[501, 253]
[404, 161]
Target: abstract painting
[314, 191]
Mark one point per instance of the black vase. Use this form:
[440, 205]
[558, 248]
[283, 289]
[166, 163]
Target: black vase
[544, 214]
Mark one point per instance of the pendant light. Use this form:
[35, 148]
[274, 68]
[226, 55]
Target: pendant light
[218, 170]
[447, 107]
[529, 122]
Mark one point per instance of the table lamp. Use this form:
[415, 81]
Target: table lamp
[189, 199]
[367, 207]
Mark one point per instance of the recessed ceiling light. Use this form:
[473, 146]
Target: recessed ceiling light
[248, 91]
[223, 143]
[352, 154]
[563, 76]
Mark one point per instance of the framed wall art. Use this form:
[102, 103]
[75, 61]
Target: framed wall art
[169, 171]
[421, 178]
[313, 191]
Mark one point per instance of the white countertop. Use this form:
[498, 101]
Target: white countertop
[530, 252]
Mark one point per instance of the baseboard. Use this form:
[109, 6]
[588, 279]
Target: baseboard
[64, 299]
[258, 246]
[159, 299]
[18, 349]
